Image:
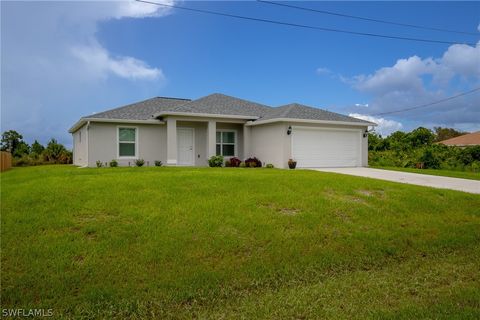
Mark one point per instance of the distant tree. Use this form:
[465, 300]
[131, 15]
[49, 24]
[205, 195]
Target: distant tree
[37, 148]
[421, 137]
[10, 141]
[54, 151]
[21, 149]
[446, 133]
[397, 141]
[374, 140]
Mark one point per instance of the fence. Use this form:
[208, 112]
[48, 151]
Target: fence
[5, 160]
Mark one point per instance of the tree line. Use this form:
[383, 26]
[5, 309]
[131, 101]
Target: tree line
[36, 154]
[420, 148]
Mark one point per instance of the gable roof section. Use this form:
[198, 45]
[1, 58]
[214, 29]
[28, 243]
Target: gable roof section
[142, 110]
[220, 104]
[469, 139]
[299, 111]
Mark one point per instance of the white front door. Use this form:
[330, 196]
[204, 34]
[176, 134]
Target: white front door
[185, 146]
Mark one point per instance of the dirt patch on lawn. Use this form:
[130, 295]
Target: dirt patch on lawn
[372, 193]
[288, 211]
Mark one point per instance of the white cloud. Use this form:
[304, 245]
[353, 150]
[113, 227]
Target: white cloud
[323, 71]
[363, 105]
[384, 126]
[99, 60]
[415, 81]
[64, 70]
[135, 9]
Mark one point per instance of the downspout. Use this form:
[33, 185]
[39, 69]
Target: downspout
[87, 129]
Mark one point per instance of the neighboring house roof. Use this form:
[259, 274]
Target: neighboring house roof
[469, 139]
[299, 111]
[216, 105]
[221, 104]
[142, 110]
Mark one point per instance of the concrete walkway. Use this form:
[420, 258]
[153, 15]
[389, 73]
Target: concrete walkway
[466, 185]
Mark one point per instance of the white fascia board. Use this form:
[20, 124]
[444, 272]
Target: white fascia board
[203, 115]
[346, 123]
[82, 121]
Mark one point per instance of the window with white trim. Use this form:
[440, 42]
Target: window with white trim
[127, 142]
[226, 143]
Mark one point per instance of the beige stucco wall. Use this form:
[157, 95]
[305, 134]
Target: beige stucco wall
[152, 141]
[267, 143]
[103, 144]
[80, 146]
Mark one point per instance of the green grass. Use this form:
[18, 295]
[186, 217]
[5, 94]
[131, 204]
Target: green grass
[235, 243]
[437, 172]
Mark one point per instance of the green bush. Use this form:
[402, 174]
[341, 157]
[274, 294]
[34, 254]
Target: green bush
[215, 161]
[113, 163]
[99, 163]
[430, 159]
[139, 162]
[242, 165]
[270, 166]
[158, 163]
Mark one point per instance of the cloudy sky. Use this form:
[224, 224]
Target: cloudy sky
[64, 60]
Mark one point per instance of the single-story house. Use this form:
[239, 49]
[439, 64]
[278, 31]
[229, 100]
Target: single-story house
[187, 132]
[466, 140]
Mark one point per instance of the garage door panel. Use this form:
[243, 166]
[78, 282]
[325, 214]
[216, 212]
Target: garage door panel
[326, 148]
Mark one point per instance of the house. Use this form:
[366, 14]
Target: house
[187, 132]
[466, 140]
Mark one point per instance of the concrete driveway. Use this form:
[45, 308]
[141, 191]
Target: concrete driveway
[471, 186]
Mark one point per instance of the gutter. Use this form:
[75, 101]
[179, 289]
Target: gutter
[347, 123]
[82, 121]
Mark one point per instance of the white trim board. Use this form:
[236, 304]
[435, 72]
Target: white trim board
[346, 123]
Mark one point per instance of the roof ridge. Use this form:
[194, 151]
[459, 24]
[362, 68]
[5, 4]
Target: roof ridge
[173, 98]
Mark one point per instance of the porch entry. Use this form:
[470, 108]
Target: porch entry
[185, 146]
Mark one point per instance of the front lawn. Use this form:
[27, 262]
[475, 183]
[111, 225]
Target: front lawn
[235, 243]
[437, 172]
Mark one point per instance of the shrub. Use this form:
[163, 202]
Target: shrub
[242, 165]
[292, 164]
[215, 161]
[430, 159]
[158, 163]
[253, 163]
[270, 166]
[235, 162]
[99, 163]
[139, 162]
[228, 163]
[114, 163]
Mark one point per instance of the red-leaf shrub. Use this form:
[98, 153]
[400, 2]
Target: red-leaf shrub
[235, 162]
[253, 163]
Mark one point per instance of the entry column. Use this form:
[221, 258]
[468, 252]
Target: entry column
[211, 139]
[171, 141]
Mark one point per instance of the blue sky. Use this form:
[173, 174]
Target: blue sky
[64, 60]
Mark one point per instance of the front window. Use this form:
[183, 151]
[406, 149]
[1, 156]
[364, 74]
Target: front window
[126, 142]
[226, 143]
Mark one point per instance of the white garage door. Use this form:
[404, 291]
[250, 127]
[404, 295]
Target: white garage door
[315, 148]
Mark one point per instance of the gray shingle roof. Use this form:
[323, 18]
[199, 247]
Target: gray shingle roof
[222, 104]
[142, 110]
[299, 111]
